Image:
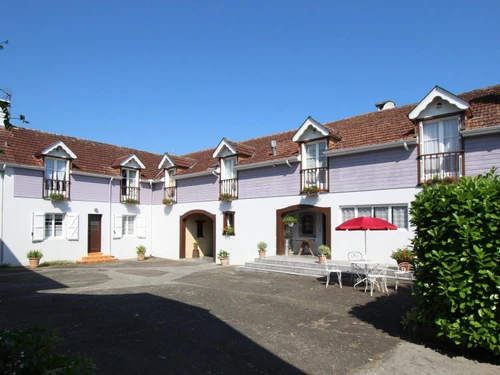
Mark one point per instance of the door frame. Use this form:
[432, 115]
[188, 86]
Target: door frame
[280, 227]
[89, 232]
[182, 241]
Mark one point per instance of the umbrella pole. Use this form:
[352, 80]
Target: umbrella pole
[366, 252]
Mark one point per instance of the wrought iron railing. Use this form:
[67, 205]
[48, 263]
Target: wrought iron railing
[171, 194]
[441, 165]
[130, 194]
[55, 188]
[229, 188]
[314, 177]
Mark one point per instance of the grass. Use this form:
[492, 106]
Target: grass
[56, 263]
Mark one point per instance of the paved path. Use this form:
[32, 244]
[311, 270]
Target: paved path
[167, 317]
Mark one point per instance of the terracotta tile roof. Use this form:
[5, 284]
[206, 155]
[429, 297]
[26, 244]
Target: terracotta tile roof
[368, 129]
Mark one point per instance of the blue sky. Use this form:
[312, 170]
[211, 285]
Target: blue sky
[178, 75]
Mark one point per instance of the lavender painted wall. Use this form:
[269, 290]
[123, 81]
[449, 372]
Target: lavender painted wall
[158, 193]
[269, 181]
[198, 189]
[145, 193]
[384, 169]
[115, 197]
[85, 188]
[28, 183]
[481, 153]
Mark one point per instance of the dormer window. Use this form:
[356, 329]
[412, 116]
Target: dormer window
[314, 171]
[130, 185]
[170, 186]
[56, 180]
[228, 152]
[228, 180]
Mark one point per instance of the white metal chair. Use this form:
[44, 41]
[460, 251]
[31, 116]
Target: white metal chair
[377, 277]
[332, 267]
[355, 270]
[404, 274]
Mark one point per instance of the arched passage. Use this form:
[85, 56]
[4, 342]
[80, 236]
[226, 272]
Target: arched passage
[326, 223]
[199, 226]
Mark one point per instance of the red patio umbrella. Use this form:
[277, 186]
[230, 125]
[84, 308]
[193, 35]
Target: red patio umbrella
[366, 223]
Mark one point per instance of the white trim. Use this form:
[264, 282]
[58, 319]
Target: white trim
[310, 122]
[94, 175]
[23, 166]
[132, 157]
[223, 143]
[61, 144]
[381, 146]
[480, 131]
[266, 163]
[151, 181]
[438, 92]
[197, 174]
[166, 158]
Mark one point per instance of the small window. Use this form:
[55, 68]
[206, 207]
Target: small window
[199, 228]
[228, 222]
[128, 225]
[397, 215]
[55, 180]
[130, 185]
[307, 225]
[53, 225]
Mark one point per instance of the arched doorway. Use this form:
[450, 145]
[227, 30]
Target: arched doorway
[320, 216]
[199, 226]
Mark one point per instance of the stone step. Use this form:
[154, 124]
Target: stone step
[92, 255]
[282, 268]
[97, 259]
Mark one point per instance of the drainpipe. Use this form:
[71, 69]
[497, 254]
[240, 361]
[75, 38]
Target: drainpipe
[151, 216]
[1, 213]
[110, 215]
[288, 163]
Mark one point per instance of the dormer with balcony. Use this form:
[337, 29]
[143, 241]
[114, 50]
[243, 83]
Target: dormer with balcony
[439, 118]
[229, 154]
[314, 139]
[130, 171]
[57, 161]
[171, 165]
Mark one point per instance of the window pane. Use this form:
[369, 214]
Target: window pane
[431, 138]
[364, 211]
[307, 225]
[49, 168]
[400, 216]
[451, 136]
[321, 158]
[381, 213]
[48, 225]
[311, 155]
[61, 170]
[58, 221]
[347, 213]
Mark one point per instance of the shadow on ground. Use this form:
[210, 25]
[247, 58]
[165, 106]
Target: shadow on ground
[133, 333]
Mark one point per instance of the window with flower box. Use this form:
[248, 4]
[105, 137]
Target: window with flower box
[314, 169]
[228, 223]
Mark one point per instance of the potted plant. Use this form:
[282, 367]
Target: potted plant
[130, 201]
[224, 257]
[324, 252]
[311, 190]
[290, 220]
[168, 201]
[262, 247]
[196, 250]
[141, 252]
[228, 231]
[226, 197]
[34, 257]
[404, 255]
[56, 197]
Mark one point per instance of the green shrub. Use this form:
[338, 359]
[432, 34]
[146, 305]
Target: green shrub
[324, 250]
[56, 263]
[141, 249]
[34, 254]
[262, 246]
[457, 245]
[31, 351]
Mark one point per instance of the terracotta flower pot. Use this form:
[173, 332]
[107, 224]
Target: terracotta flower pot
[224, 261]
[262, 254]
[196, 252]
[404, 264]
[34, 262]
[141, 256]
[322, 259]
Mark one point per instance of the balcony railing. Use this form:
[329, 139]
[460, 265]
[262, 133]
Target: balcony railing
[171, 193]
[229, 187]
[314, 177]
[442, 164]
[130, 194]
[55, 187]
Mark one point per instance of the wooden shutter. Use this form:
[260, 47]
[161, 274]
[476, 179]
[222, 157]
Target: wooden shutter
[38, 227]
[141, 226]
[117, 227]
[72, 227]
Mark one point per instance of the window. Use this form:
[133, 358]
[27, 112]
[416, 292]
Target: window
[199, 228]
[170, 190]
[128, 225]
[440, 149]
[314, 166]
[228, 222]
[53, 225]
[130, 185]
[228, 180]
[56, 177]
[307, 224]
[397, 215]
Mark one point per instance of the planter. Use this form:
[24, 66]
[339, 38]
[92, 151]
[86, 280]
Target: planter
[291, 224]
[322, 259]
[224, 261]
[196, 252]
[34, 262]
[141, 256]
[262, 254]
[404, 265]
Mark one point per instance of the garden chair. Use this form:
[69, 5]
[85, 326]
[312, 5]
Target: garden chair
[355, 270]
[332, 267]
[404, 274]
[377, 277]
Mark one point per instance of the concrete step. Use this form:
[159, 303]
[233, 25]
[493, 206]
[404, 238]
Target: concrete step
[92, 259]
[283, 268]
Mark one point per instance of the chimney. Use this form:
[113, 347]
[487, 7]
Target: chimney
[273, 146]
[388, 104]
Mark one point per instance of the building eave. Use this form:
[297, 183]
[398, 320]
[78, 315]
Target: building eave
[480, 131]
[381, 146]
[268, 163]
